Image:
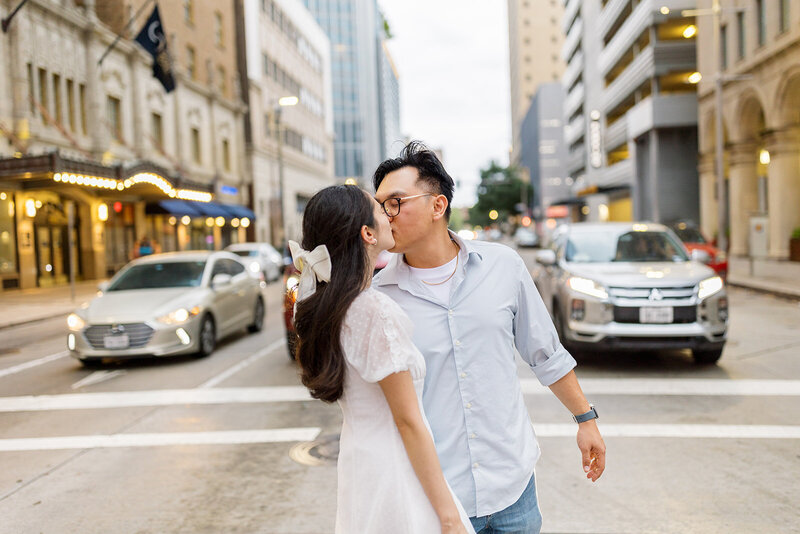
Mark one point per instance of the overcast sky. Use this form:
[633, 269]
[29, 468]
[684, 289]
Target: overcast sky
[452, 59]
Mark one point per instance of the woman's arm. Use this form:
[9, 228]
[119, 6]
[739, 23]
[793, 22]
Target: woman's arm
[399, 391]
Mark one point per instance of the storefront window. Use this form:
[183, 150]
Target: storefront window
[8, 248]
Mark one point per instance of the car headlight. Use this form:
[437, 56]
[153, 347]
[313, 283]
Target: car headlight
[179, 316]
[75, 322]
[292, 282]
[709, 286]
[587, 287]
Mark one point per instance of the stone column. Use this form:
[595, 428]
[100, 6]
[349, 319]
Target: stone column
[742, 194]
[783, 188]
[708, 195]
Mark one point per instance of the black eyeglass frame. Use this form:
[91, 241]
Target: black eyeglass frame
[398, 199]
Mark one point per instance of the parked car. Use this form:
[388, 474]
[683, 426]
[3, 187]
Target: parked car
[631, 286]
[694, 239]
[260, 257]
[525, 237]
[291, 280]
[167, 304]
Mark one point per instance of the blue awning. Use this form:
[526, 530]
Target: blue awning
[179, 207]
[210, 209]
[240, 212]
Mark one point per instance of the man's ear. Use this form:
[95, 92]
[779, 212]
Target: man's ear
[439, 206]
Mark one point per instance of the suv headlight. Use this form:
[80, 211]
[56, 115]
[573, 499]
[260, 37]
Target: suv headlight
[587, 287]
[179, 316]
[709, 286]
[75, 322]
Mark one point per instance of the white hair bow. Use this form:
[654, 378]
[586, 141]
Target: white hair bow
[313, 266]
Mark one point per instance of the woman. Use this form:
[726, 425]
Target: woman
[355, 348]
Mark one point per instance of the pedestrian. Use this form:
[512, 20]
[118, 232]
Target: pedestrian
[144, 247]
[471, 303]
[355, 348]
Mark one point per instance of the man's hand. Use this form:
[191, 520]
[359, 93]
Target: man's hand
[593, 449]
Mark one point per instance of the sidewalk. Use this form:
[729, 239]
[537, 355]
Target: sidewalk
[781, 278]
[29, 305]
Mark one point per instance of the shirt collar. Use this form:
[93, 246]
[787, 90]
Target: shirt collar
[397, 268]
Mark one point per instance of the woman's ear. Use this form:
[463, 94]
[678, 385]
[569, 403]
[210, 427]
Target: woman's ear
[368, 235]
[439, 206]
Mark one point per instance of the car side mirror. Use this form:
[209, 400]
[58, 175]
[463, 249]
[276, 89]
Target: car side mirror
[102, 287]
[701, 255]
[220, 281]
[546, 257]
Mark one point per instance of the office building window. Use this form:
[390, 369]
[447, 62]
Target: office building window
[196, 146]
[740, 31]
[188, 11]
[761, 19]
[723, 42]
[191, 62]
[157, 130]
[82, 98]
[57, 99]
[31, 90]
[218, 29]
[222, 81]
[114, 117]
[42, 92]
[71, 104]
[783, 15]
[226, 155]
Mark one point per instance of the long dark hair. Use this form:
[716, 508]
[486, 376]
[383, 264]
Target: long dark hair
[333, 217]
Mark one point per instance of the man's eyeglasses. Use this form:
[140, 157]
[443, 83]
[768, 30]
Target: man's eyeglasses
[391, 206]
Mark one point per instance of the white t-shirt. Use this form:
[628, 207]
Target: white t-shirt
[437, 274]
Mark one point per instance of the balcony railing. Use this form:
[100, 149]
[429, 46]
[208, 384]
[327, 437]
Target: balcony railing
[576, 160]
[609, 16]
[621, 173]
[573, 70]
[571, 10]
[574, 130]
[573, 39]
[662, 111]
[574, 100]
[616, 134]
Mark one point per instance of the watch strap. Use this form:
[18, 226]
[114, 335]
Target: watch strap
[588, 416]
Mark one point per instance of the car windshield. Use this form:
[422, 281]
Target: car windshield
[246, 253]
[154, 275]
[690, 235]
[602, 247]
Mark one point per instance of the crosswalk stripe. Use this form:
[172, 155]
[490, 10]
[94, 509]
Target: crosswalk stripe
[232, 437]
[31, 364]
[675, 386]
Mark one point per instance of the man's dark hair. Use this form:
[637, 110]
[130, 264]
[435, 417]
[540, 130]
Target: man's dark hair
[431, 171]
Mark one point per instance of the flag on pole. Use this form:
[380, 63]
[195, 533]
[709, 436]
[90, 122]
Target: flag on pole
[153, 40]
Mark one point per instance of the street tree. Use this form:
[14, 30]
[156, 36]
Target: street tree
[501, 189]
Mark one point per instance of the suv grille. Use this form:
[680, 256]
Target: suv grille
[680, 314]
[644, 293]
[139, 334]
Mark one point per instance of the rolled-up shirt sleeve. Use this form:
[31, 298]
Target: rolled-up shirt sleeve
[534, 334]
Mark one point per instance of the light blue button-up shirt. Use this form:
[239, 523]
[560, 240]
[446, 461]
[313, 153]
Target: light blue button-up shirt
[472, 396]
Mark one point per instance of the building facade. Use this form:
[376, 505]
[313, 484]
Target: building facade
[760, 63]
[631, 109]
[355, 29]
[98, 156]
[542, 150]
[535, 43]
[391, 133]
[289, 148]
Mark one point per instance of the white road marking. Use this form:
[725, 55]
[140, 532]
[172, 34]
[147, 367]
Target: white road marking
[233, 437]
[241, 365]
[167, 397]
[97, 377]
[675, 386]
[544, 430]
[33, 363]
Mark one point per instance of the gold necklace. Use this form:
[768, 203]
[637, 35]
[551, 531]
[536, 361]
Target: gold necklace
[446, 279]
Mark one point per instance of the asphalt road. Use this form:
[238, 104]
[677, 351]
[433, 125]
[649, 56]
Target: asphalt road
[221, 444]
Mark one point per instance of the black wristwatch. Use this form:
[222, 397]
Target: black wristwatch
[588, 416]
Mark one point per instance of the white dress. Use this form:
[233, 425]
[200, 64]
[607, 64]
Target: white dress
[378, 490]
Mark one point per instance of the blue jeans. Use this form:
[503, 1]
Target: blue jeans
[522, 517]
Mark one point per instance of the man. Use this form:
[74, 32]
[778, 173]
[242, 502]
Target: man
[471, 304]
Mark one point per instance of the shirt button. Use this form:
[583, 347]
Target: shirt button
[450, 312]
[469, 405]
[472, 436]
[475, 465]
[458, 343]
[463, 375]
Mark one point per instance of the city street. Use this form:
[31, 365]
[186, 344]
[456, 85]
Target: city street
[220, 444]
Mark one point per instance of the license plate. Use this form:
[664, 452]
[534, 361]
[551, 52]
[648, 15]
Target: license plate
[116, 342]
[661, 314]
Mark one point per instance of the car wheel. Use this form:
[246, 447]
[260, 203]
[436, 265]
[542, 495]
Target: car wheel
[706, 357]
[208, 337]
[291, 345]
[258, 317]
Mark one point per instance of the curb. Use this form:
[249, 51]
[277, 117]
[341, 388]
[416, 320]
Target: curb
[790, 295]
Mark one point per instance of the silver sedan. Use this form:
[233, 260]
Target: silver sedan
[168, 304]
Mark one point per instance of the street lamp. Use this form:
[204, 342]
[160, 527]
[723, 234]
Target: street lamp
[278, 237]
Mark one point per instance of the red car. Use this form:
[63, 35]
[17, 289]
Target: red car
[291, 279]
[694, 239]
